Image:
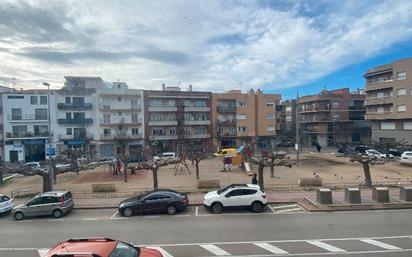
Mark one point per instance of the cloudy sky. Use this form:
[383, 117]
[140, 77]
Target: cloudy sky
[214, 45]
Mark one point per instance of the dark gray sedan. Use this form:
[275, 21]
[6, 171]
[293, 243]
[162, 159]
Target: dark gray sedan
[158, 201]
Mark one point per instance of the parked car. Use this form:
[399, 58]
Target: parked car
[6, 204]
[102, 247]
[165, 157]
[53, 203]
[286, 143]
[236, 195]
[107, 160]
[137, 159]
[341, 152]
[395, 152]
[32, 168]
[406, 158]
[361, 148]
[373, 153]
[168, 201]
[232, 152]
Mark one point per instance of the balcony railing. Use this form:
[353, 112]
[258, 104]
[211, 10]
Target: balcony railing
[197, 122]
[121, 137]
[163, 137]
[75, 106]
[27, 117]
[75, 121]
[197, 109]
[226, 122]
[84, 136]
[193, 136]
[227, 134]
[226, 108]
[26, 134]
[163, 123]
[163, 109]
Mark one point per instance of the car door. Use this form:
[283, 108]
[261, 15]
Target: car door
[33, 207]
[232, 198]
[149, 202]
[247, 197]
[161, 203]
[48, 205]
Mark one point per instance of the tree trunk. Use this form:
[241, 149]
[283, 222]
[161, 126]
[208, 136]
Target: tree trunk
[366, 170]
[155, 182]
[260, 175]
[272, 171]
[47, 184]
[125, 171]
[1, 176]
[197, 170]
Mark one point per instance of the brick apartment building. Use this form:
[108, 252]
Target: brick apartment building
[333, 117]
[244, 118]
[176, 119]
[389, 101]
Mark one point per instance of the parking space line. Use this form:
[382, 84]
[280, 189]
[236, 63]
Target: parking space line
[89, 219]
[25, 221]
[271, 208]
[162, 251]
[150, 217]
[326, 246]
[181, 215]
[290, 210]
[114, 214]
[56, 220]
[380, 244]
[215, 250]
[197, 211]
[42, 252]
[283, 206]
[271, 248]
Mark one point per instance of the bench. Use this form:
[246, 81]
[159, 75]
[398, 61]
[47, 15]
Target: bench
[98, 188]
[208, 183]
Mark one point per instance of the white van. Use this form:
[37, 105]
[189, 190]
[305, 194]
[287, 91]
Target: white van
[166, 156]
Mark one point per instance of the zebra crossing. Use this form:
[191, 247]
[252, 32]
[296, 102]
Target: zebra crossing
[310, 247]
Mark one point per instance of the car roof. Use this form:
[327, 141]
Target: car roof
[165, 191]
[243, 186]
[99, 246]
[54, 193]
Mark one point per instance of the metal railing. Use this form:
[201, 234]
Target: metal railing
[26, 134]
[27, 117]
[75, 121]
[77, 106]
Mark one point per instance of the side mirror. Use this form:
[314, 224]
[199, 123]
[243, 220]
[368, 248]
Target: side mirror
[143, 200]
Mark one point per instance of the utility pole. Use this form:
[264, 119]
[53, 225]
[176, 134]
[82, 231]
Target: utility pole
[51, 175]
[297, 127]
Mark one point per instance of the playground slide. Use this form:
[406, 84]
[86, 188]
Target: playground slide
[247, 168]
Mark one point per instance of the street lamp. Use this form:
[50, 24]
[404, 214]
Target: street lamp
[51, 175]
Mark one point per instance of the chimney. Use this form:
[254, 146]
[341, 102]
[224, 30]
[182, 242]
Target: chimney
[163, 87]
[190, 87]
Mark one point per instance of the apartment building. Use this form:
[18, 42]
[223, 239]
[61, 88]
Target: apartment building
[176, 119]
[286, 113]
[244, 118]
[389, 101]
[25, 125]
[333, 117]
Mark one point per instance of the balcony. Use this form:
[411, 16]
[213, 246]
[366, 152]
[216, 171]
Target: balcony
[120, 122]
[85, 136]
[26, 134]
[75, 121]
[197, 109]
[379, 115]
[197, 136]
[226, 108]
[226, 122]
[163, 109]
[163, 137]
[379, 100]
[75, 106]
[379, 85]
[197, 122]
[27, 117]
[117, 137]
[163, 123]
[227, 134]
[310, 110]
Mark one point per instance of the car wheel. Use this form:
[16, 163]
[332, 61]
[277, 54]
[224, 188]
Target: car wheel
[217, 208]
[19, 215]
[257, 207]
[171, 210]
[127, 212]
[57, 214]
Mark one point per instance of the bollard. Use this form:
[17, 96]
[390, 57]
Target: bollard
[405, 193]
[352, 195]
[380, 194]
[324, 196]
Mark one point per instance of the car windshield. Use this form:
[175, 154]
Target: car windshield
[124, 250]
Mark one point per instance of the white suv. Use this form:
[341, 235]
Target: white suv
[6, 204]
[236, 195]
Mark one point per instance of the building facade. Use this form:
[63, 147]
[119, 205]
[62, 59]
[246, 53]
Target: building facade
[389, 101]
[25, 125]
[332, 118]
[177, 119]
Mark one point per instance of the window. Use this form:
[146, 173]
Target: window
[380, 95]
[157, 132]
[43, 99]
[16, 114]
[107, 132]
[401, 91]
[172, 131]
[135, 131]
[270, 104]
[271, 128]
[106, 118]
[407, 125]
[134, 104]
[119, 99]
[188, 131]
[289, 108]
[125, 250]
[241, 129]
[248, 192]
[270, 116]
[15, 97]
[241, 103]
[380, 109]
[388, 125]
[401, 75]
[288, 118]
[34, 99]
[106, 107]
[335, 105]
[68, 115]
[135, 118]
[69, 131]
[200, 130]
[402, 108]
[68, 100]
[19, 130]
[78, 100]
[119, 113]
[41, 130]
[235, 192]
[200, 103]
[41, 114]
[335, 115]
[79, 133]
[241, 117]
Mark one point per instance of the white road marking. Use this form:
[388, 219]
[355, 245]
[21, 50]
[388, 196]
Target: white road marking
[284, 206]
[42, 252]
[326, 246]
[197, 211]
[358, 253]
[162, 251]
[214, 249]
[271, 248]
[25, 221]
[150, 217]
[289, 210]
[90, 219]
[181, 215]
[380, 244]
[56, 220]
[114, 214]
[271, 208]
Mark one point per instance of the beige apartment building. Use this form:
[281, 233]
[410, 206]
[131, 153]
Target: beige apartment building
[389, 101]
[244, 118]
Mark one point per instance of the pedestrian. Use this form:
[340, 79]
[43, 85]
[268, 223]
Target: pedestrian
[318, 147]
[254, 179]
[316, 175]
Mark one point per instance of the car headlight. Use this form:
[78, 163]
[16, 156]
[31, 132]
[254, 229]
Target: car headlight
[121, 205]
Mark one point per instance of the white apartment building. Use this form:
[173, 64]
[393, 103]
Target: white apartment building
[25, 125]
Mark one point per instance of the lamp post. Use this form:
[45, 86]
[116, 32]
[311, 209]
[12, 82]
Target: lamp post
[51, 175]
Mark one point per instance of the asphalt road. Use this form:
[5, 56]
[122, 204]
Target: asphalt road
[279, 231]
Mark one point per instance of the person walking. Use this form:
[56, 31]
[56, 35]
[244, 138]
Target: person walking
[318, 147]
[254, 179]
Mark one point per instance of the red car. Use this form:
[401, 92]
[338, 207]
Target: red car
[99, 247]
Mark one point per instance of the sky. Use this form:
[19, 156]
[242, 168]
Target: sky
[278, 46]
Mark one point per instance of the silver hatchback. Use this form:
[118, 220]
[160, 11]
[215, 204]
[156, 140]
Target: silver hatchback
[54, 203]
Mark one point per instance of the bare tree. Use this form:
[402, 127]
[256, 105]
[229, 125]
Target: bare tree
[366, 161]
[386, 145]
[154, 167]
[196, 154]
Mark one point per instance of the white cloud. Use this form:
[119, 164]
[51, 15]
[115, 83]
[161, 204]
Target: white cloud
[210, 44]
